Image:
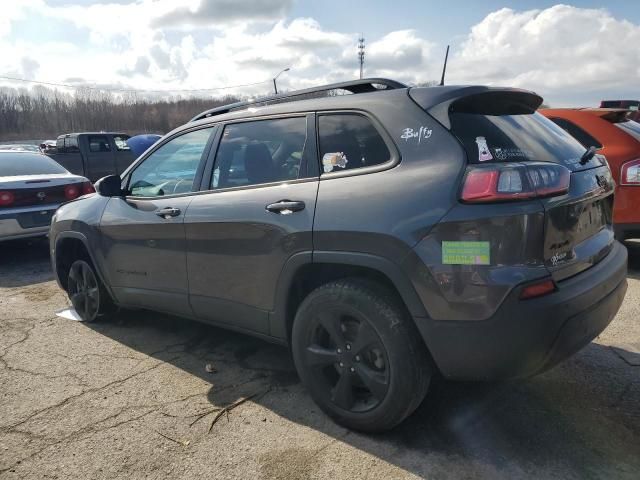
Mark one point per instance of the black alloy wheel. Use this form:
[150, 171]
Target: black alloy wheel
[84, 290]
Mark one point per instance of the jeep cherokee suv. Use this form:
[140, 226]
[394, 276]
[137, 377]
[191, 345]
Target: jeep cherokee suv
[384, 235]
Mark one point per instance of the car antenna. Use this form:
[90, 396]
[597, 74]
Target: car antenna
[444, 68]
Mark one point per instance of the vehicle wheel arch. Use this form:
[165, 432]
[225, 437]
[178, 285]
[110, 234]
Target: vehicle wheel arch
[70, 246]
[305, 271]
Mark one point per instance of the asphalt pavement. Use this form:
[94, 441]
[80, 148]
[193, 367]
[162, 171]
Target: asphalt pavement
[141, 397]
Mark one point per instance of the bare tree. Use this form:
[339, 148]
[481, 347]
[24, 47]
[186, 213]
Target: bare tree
[43, 113]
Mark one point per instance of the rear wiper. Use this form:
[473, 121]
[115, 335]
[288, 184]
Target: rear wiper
[588, 155]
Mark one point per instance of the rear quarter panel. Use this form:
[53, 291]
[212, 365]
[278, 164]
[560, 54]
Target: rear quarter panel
[386, 213]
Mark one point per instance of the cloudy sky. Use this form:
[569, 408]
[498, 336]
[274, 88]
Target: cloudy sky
[572, 54]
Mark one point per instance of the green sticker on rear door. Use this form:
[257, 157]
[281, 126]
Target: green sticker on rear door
[465, 253]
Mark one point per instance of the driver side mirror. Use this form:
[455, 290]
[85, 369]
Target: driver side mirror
[110, 186]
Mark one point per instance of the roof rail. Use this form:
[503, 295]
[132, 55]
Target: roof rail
[354, 86]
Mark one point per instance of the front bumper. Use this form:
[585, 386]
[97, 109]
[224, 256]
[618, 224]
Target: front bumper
[527, 337]
[26, 222]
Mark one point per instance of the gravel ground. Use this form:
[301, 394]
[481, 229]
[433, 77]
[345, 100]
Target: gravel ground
[133, 399]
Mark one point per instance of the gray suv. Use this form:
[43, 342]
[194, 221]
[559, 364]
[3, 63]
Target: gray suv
[385, 235]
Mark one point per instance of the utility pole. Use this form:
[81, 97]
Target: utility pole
[361, 53]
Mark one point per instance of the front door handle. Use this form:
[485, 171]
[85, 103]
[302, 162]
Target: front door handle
[168, 212]
[285, 207]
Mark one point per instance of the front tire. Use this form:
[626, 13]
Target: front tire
[359, 355]
[86, 292]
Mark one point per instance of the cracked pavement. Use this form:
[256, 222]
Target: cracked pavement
[126, 399]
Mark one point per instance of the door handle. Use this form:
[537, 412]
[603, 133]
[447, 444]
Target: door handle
[285, 207]
[168, 212]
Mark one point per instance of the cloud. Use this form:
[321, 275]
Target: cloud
[29, 67]
[569, 55]
[141, 67]
[216, 12]
[556, 51]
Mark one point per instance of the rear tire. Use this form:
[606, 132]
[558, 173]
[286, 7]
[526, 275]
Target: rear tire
[359, 355]
[88, 296]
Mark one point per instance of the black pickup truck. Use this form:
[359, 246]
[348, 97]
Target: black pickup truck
[93, 154]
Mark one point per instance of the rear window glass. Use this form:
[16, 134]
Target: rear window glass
[517, 138]
[631, 127]
[576, 132]
[13, 164]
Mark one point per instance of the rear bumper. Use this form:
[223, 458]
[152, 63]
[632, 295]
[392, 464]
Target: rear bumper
[26, 222]
[527, 337]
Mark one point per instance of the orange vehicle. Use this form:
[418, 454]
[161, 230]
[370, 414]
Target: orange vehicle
[618, 138]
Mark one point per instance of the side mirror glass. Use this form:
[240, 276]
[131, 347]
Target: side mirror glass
[110, 186]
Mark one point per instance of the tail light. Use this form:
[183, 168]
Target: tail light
[72, 191]
[630, 173]
[6, 198]
[514, 181]
[87, 187]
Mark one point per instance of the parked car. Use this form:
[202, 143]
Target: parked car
[384, 236]
[140, 143]
[32, 187]
[48, 146]
[618, 138]
[633, 107]
[19, 147]
[93, 154]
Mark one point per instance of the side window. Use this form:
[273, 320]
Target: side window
[98, 144]
[121, 142]
[576, 132]
[71, 144]
[170, 169]
[261, 151]
[349, 141]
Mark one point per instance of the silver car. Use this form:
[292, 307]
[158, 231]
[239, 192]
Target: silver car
[32, 187]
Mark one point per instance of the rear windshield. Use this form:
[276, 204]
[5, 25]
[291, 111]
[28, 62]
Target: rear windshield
[630, 127]
[517, 138]
[16, 163]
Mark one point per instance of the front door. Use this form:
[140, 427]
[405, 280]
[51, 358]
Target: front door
[143, 234]
[258, 213]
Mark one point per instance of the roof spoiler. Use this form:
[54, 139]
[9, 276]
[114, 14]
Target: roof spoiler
[613, 115]
[440, 101]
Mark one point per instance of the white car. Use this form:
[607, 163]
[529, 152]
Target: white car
[32, 187]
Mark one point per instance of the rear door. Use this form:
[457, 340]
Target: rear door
[257, 211]
[578, 224]
[100, 160]
[143, 233]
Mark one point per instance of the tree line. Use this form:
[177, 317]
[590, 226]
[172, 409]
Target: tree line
[44, 113]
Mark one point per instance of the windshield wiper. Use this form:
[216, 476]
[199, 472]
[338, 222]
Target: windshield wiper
[588, 155]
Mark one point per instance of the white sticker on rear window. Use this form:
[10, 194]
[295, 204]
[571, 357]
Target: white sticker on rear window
[484, 154]
[332, 160]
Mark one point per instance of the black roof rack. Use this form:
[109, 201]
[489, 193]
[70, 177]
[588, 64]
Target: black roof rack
[354, 86]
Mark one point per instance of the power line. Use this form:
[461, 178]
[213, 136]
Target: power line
[129, 90]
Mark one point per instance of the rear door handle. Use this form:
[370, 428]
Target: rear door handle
[285, 207]
[168, 212]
